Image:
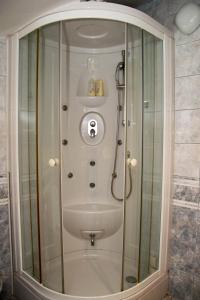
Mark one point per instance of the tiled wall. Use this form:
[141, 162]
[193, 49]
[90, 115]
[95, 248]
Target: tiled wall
[184, 262]
[5, 273]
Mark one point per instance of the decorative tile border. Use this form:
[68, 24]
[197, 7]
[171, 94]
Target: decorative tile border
[3, 187]
[187, 181]
[186, 193]
[3, 191]
[3, 201]
[185, 204]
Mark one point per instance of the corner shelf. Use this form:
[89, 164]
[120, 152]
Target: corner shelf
[91, 101]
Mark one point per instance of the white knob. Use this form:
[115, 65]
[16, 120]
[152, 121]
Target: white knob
[132, 162]
[53, 162]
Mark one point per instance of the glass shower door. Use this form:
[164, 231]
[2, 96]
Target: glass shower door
[39, 156]
[27, 155]
[152, 148]
[144, 112]
[132, 204]
[49, 181]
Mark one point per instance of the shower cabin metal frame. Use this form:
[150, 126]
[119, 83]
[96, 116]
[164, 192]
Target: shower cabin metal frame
[108, 11]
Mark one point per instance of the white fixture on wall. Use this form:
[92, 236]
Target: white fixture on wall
[188, 18]
[92, 128]
[100, 219]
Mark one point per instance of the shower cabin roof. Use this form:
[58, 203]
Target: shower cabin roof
[94, 33]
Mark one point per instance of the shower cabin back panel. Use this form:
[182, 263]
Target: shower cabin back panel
[77, 154]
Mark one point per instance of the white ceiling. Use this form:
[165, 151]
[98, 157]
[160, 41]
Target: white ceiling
[16, 13]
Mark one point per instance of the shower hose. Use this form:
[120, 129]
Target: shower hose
[114, 173]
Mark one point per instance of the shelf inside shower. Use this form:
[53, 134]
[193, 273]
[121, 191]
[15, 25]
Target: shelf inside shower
[92, 101]
[84, 219]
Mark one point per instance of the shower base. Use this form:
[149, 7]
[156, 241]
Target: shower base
[82, 282]
[93, 273]
[90, 273]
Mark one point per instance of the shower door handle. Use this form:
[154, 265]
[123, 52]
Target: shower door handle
[53, 162]
[132, 162]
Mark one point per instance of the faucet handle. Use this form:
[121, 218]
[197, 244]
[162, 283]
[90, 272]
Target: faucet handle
[53, 162]
[92, 128]
[92, 133]
[132, 162]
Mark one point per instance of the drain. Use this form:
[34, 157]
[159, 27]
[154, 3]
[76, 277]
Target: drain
[131, 279]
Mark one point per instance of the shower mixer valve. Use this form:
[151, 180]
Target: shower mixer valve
[92, 128]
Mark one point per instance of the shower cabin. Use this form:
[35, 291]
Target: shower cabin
[91, 120]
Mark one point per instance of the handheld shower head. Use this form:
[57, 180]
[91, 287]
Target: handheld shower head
[123, 56]
[120, 70]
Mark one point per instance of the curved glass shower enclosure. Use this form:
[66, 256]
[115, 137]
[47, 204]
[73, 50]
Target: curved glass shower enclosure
[90, 155]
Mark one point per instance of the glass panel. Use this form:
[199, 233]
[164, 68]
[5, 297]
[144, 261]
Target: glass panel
[134, 145]
[144, 143]
[152, 154]
[27, 153]
[49, 157]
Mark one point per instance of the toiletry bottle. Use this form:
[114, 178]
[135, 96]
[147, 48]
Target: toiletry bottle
[91, 87]
[99, 87]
